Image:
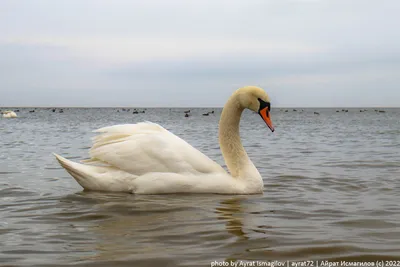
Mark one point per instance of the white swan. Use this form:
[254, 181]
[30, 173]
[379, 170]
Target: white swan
[9, 114]
[145, 158]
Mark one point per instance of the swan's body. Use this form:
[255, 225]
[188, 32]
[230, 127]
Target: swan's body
[9, 114]
[145, 158]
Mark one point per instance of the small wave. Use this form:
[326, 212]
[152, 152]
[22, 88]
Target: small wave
[76, 217]
[305, 252]
[291, 177]
[16, 192]
[363, 164]
[366, 223]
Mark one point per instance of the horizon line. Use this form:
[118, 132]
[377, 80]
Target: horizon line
[138, 107]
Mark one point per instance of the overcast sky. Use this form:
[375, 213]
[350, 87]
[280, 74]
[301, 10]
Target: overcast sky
[195, 53]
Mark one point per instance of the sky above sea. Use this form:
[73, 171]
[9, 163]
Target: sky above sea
[304, 53]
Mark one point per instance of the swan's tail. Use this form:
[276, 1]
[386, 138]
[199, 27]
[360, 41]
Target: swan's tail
[98, 178]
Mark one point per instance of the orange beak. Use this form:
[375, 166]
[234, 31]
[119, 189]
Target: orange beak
[264, 113]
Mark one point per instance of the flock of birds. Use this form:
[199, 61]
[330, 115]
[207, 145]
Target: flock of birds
[135, 111]
[13, 114]
[187, 113]
[343, 110]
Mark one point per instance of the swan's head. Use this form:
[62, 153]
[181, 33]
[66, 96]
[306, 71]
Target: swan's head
[257, 100]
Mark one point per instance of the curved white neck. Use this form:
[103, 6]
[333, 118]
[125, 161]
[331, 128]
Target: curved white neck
[236, 159]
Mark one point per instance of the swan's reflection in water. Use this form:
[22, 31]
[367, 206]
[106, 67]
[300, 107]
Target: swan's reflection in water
[231, 211]
[174, 228]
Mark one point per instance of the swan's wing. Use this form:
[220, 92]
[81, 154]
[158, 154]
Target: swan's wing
[147, 147]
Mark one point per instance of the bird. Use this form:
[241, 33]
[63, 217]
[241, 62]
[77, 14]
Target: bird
[9, 114]
[145, 158]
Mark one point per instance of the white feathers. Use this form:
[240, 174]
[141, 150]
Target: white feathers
[9, 114]
[147, 147]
